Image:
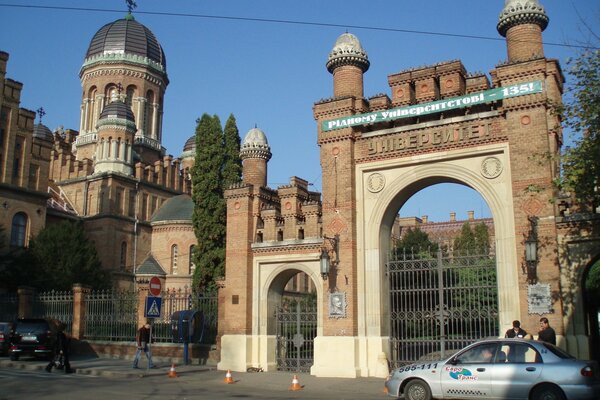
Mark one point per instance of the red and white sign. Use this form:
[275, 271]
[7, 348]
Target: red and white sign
[155, 287]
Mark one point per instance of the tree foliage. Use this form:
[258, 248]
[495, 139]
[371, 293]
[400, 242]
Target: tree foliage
[415, 242]
[58, 257]
[581, 113]
[472, 240]
[217, 165]
[232, 164]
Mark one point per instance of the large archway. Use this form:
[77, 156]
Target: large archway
[398, 180]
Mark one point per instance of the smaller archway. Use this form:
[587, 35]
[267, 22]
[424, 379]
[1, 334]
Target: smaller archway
[591, 296]
[292, 318]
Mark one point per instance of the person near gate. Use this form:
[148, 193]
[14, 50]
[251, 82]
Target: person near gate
[143, 340]
[546, 333]
[61, 352]
[516, 331]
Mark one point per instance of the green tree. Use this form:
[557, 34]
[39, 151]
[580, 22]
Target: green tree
[209, 217]
[472, 241]
[58, 257]
[415, 242]
[232, 166]
[581, 113]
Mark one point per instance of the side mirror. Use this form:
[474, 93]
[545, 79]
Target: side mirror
[454, 361]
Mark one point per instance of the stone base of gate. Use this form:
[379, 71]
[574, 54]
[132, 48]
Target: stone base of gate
[239, 352]
[349, 357]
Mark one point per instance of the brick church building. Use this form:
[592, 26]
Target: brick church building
[439, 124]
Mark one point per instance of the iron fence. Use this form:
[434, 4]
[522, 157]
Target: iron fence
[111, 315]
[296, 331]
[185, 299]
[54, 305]
[440, 304]
[9, 307]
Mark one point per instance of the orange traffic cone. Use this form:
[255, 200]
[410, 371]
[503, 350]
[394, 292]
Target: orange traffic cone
[295, 384]
[172, 373]
[228, 377]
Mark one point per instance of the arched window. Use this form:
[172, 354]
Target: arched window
[19, 228]
[123, 260]
[174, 256]
[192, 266]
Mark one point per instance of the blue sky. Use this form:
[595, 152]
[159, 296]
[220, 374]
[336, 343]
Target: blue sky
[270, 74]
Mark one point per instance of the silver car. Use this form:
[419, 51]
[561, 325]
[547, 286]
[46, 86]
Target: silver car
[499, 369]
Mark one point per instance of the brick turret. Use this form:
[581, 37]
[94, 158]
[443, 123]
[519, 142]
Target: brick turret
[522, 23]
[347, 62]
[255, 153]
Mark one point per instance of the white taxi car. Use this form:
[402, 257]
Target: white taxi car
[499, 369]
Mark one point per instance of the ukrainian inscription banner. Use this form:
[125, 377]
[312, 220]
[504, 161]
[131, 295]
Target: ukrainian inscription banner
[487, 96]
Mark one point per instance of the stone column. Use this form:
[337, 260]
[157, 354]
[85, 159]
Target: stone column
[25, 294]
[80, 293]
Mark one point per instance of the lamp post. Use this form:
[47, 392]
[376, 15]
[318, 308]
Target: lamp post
[325, 264]
[531, 245]
[325, 260]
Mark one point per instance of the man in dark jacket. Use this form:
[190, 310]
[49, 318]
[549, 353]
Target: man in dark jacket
[61, 352]
[546, 333]
[515, 331]
[143, 340]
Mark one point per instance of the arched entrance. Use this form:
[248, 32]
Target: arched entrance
[398, 180]
[591, 296]
[292, 299]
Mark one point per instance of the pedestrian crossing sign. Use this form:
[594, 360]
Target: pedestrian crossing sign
[153, 306]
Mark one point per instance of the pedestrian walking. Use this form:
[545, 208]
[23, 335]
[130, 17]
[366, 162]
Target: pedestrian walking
[143, 339]
[546, 333]
[516, 331]
[61, 352]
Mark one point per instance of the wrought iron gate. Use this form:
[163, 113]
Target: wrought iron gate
[440, 304]
[296, 331]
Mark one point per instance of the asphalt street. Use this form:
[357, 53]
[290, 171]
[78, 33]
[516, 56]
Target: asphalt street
[114, 379]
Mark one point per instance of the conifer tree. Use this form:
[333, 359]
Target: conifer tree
[209, 216]
[232, 167]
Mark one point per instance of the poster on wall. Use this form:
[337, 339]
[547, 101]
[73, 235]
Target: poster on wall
[337, 305]
[539, 299]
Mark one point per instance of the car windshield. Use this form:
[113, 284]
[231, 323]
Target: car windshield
[558, 352]
[29, 327]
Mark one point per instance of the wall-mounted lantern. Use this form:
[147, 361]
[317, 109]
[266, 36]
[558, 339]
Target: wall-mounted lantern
[531, 246]
[325, 259]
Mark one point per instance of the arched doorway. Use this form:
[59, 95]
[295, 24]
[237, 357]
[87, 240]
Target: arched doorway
[591, 296]
[442, 281]
[293, 319]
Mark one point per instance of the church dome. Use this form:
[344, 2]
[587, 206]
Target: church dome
[117, 109]
[41, 131]
[190, 144]
[518, 12]
[347, 50]
[255, 145]
[176, 209]
[126, 37]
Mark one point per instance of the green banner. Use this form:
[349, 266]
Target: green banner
[487, 96]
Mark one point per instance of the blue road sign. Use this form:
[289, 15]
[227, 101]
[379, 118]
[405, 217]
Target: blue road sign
[153, 306]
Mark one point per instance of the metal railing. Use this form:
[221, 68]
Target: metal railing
[9, 307]
[54, 305]
[111, 315]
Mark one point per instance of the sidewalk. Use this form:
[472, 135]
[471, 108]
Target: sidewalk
[109, 367]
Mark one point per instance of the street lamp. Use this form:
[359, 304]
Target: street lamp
[531, 245]
[325, 260]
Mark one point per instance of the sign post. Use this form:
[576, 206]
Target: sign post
[155, 286]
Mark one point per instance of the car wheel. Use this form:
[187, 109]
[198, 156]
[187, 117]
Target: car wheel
[417, 390]
[547, 392]
[14, 357]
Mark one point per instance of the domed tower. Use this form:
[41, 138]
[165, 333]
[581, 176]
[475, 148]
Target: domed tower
[116, 130]
[347, 63]
[187, 162]
[125, 58]
[521, 22]
[255, 152]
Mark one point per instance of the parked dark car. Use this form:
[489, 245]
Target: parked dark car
[5, 333]
[33, 337]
